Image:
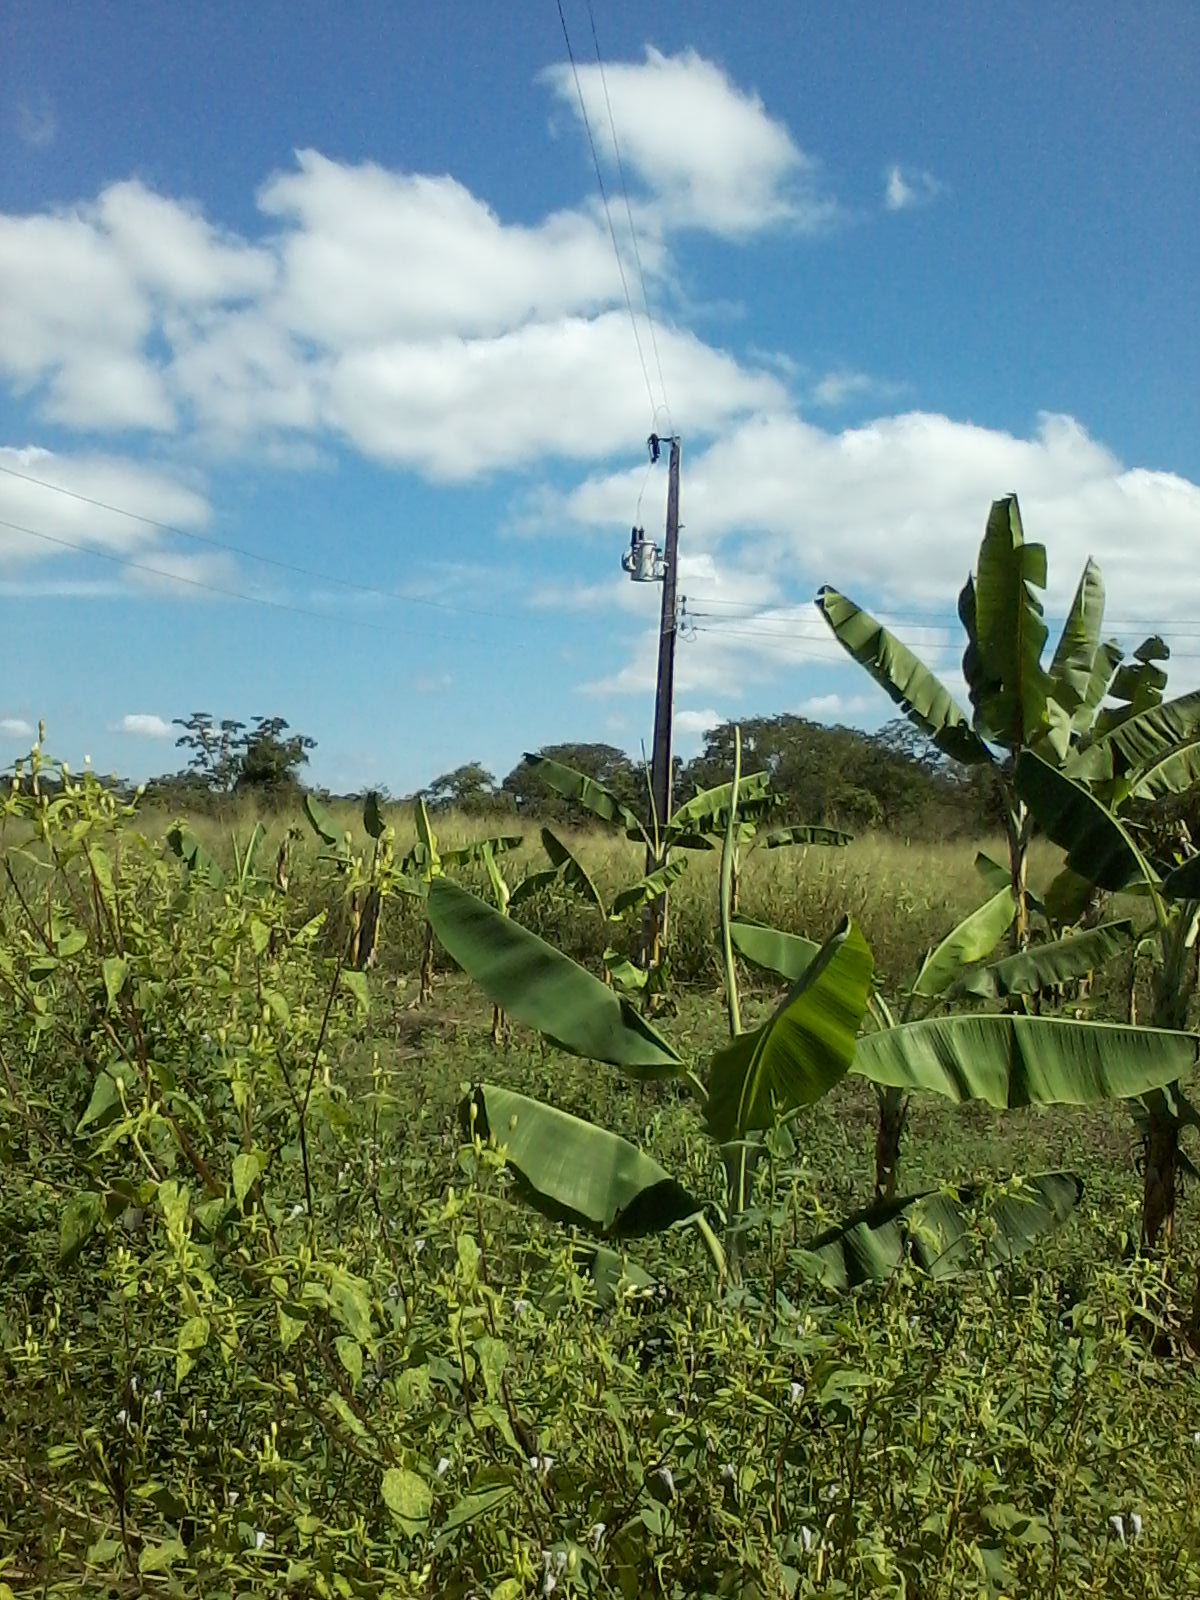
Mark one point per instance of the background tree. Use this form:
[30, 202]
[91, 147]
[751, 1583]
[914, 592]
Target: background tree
[470, 788]
[270, 761]
[604, 763]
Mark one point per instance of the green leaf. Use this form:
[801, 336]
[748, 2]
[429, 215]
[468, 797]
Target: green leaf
[247, 1169]
[193, 1337]
[1184, 882]
[373, 819]
[1012, 688]
[260, 936]
[995, 876]
[426, 838]
[486, 1496]
[936, 1231]
[1067, 898]
[574, 1171]
[1041, 965]
[805, 833]
[707, 811]
[349, 1353]
[407, 1497]
[539, 986]
[904, 678]
[975, 937]
[1140, 741]
[500, 890]
[356, 982]
[81, 1217]
[106, 1099]
[1073, 664]
[532, 884]
[1097, 845]
[646, 889]
[161, 1557]
[102, 1552]
[1011, 1060]
[585, 791]
[788, 954]
[253, 845]
[800, 1052]
[1174, 773]
[321, 821]
[497, 844]
[570, 870]
[492, 1356]
[200, 863]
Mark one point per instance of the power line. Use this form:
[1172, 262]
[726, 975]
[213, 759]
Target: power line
[612, 232]
[829, 644]
[637, 254]
[249, 555]
[214, 588]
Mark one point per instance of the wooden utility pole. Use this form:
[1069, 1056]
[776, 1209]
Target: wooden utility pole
[655, 926]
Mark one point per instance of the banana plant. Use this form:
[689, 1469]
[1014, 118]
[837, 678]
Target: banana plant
[425, 863]
[1017, 701]
[953, 969]
[1106, 850]
[567, 873]
[694, 825]
[757, 1081]
[365, 904]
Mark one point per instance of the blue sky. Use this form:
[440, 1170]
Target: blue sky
[325, 296]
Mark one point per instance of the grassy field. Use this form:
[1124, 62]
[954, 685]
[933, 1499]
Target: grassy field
[360, 1366]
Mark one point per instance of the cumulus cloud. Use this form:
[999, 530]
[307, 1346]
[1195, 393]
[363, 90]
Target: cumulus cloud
[688, 722]
[843, 385]
[15, 728]
[144, 725]
[707, 153]
[906, 187]
[86, 515]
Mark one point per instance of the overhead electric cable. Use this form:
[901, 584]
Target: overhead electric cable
[637, 254]
[214, 588]
[612, 232]
[253, 555]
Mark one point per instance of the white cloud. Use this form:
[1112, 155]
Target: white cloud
[688, 722]
[433, 683]
[144, 725]
[843, 384]
[16, 728]
[143, 490]
[906, 187]
[708, 153]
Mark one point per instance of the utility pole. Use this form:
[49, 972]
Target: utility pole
[654, 927]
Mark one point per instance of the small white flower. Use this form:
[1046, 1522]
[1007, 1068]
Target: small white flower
[443, 1466]
[123, 1417]
[727, 1473]
[232, 1497]
[418, 1245]
[157, 1397]
[541, 1464]
[595, 1533]
[1135, 1524]
[296, 1211]
[795, 1390]
[260, 1539]
[914, 1322]
[829, 1492]
[520, 1306]
[1117, 1524]
[667, 1478]
[133, 1384]
[393, 1291]
[807, 1538]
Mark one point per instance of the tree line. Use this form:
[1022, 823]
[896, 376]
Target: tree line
[891, 779]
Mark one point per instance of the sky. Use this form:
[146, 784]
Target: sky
[326, 379]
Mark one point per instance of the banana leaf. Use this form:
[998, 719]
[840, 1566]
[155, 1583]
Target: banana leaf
[1098, 846]
[904, 678]
[1173, 773]
[938, 1231]
[805, 833]
[574, 1171]
[537, 985]
[1041, 965]
[1139, 741]
[975, 937]
[1011, 695]
[801, 1051]
[585, 791]
[1009, 1061]
[571, 870]
[789, 955]
[705, 811]
[321, 821]
[1073, 664]
[373, 820]
[649, 888]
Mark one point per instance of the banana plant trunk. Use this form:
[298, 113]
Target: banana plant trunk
[893, 1110]
[427, 966]
[1018, 826]
[1160, 1181]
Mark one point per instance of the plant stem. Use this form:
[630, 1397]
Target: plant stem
[731, 990]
